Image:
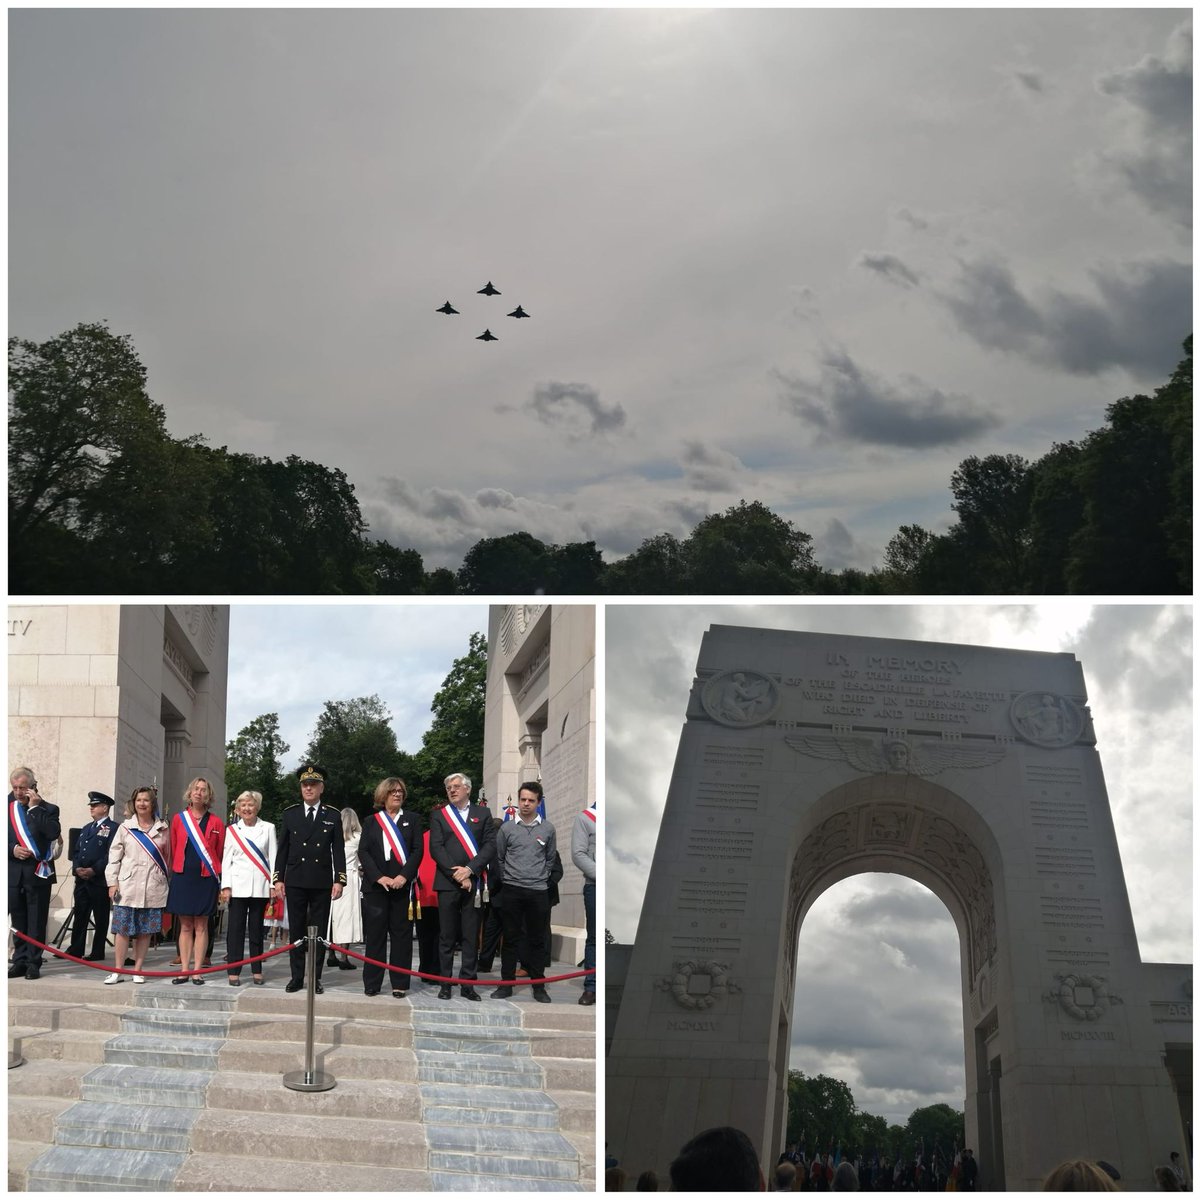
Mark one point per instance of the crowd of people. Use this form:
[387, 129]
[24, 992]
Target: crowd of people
[468, 877]
[724, 1160]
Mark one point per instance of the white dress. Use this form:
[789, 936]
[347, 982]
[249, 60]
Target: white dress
[345, 912]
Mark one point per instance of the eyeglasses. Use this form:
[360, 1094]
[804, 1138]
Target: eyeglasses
[396, 792]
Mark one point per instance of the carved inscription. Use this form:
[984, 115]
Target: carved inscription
[1055, 861]
[1039, 773]
[734, 757]
[19, 628]
[724, 946]
[1072, 914]
[1087, 1035]
[1058, 814]
[682, 1025]
[713, 899]
[717, 793]
[720, 844]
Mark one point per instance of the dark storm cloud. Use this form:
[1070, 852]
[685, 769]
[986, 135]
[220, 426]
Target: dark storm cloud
[1137, 320]
[711, 469]
[917, 223]
[849, 403]
[576, 408]
[1030, 81]
[1156, 164]
[889, 267]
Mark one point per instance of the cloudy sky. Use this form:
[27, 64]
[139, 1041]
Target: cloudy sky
[883, 1010]
[814, 258]
[289, 659]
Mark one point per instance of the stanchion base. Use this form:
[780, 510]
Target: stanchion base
[303, 1081]
[15, 1059]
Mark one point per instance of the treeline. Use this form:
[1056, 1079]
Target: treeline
[103, 500]
[823, 1117]
[355, 743]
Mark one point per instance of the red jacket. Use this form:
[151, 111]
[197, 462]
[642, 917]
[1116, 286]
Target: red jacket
[214, 838]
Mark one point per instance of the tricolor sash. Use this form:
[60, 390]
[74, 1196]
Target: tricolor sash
[393, 839]
[147, 843]
[258, 858]
[21, 829]
[462, 831]
[196, 837]
[590, 812]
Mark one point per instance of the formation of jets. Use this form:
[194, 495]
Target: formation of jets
[487, 290]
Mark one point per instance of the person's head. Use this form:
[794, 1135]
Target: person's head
[312, 782]
[528, 797]
[896, 753]
[845, 1178]
[458, 788]
[785, 1176]
[718, 1160]
[1165, 1180]
[248, 805]
[21, 780]
[647, 1181]
[99, 805]
[142, 802]
[1078, 1175]
[391, 793]
[350, 823]
[198, 793]
[614, 1179]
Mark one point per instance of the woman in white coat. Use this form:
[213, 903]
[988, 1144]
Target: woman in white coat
[345, 913]
[246, 868]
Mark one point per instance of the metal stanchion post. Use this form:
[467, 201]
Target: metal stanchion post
[310, 1079]
[15, 1058]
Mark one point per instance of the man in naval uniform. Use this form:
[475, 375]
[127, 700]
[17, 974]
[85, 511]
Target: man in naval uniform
[91, 888]
[310, 866]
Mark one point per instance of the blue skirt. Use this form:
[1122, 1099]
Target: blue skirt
[192, 895]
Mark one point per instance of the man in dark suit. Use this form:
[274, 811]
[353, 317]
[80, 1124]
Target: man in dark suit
[33, 827]
[310, 866]
[91, 888]
[462, 842]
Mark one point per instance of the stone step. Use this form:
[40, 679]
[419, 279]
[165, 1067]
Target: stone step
[480, 1041]
[126, 1126]
[61, 1045]
[327, 1031]
[45, 1077]
[443, 1013]
[176, 1023]
[450, 1182]
[310, 1138]
[96, 1169]
[510, 1168]
[439, 1067]
[34, 1117]
[165, 1087]
[226, 1172]
[491, 1098]
[355, 1005]
[20, 1155]
[537, 1144]
[568, 1075]
[506, 1118]
[164, 995]
[155, 1050]
[577, 1115]
[343, 1062]
[361, 1099]
[28, 1015]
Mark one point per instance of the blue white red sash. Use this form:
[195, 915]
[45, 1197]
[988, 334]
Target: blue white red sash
[196, 837]
[393, 839]
[21, 829]
[258, 858]
[148, 844]
[590, 812]
[462, 831]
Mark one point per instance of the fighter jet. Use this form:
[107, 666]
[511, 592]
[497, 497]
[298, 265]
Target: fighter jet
[487, 291]
[518, 312]
[487, 336]
[448, 308]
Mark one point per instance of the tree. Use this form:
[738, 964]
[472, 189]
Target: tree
[991, 497]
[937, 1126]
[822, 1110]
[904, 552]
[515, 563]
[747, 549]
[253, 763]
[355, 743]
[656, 568]
[387, 571]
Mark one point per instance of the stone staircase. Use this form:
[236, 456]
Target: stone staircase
[163, 1088]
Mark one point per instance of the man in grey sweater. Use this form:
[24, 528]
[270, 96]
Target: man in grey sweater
[525, 849]
[583, 855]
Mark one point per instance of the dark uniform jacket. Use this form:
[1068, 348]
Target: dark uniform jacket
[92, 848]
[312, 858]
[448, 852]
[370, 851]
[43, 825]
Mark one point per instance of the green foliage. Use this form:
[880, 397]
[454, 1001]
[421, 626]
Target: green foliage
[355, 743]
[821, 1112]
[936, 1126]
[745, 550]
[253, 763]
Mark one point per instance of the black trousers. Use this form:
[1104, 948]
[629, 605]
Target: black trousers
[524, 912]
[459, 918]
[385, 920]
[245, 912]
[493, 930]
[29, 908]
[91, 901]
[428, 929]
[306, 906]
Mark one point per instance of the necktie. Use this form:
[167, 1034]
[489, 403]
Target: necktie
[312, 813]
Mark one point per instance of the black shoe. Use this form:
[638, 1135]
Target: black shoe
[319, 988]
[541, 995]
[347, 966]
[96, 957]
[331, 961]
[258, 979]
[198, 979]
[34, 972]
[294, 985]
[587, 998]
[444, 992]
[16, 972]
[370, 991]
[469, 993]
[485, 966]
[180, 979]
[76, 953]
[399, 993]
[502, 993]
[234, 981]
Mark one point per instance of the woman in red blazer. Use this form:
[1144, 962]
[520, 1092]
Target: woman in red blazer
[195, 877]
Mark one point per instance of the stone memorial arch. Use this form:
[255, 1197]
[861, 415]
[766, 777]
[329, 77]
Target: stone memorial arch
[808, 758]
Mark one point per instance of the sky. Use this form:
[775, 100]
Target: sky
[812, 258]
[878, 999]
[290, 658]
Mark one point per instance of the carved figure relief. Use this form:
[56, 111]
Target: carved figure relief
[698, 985]
[1084, 997]
[896, 756]
[740, 698]
[1046, 720]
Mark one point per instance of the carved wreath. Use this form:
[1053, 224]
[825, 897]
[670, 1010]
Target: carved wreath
[1067, 1001]
[719, 985]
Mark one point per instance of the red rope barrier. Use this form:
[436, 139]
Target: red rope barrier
[153, 974]
[465, 982]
